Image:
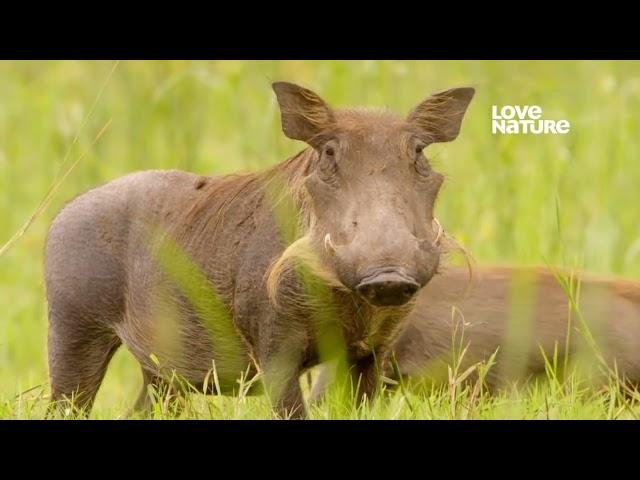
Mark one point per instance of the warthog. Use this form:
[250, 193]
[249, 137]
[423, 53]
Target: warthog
[523, 315]
[154, 259]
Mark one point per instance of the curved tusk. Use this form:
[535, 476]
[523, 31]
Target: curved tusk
[440, 232]
[328, 244]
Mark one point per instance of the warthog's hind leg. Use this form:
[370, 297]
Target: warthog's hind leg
[163, 391]
[78, 361]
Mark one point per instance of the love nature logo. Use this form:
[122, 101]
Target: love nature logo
[527, 119]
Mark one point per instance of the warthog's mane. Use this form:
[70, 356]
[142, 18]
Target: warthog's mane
[279, 189]
[218, 194]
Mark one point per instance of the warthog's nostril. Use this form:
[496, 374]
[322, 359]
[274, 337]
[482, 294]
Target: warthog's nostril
[387, 289]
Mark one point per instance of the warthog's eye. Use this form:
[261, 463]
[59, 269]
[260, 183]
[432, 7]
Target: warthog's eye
[328, 166]
[420, 163]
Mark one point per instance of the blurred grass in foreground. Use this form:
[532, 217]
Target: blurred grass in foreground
[500, 198]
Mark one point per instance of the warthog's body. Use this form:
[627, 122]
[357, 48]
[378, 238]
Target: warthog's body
[518, 313]
[104, 283]
[364, 193]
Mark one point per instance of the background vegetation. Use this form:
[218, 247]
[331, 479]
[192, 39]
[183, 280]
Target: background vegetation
[572, 200]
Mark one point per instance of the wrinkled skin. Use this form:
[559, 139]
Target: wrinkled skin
[367, 194]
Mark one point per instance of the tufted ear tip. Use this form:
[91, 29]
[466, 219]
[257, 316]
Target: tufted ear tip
[282, 87]
[466, 92]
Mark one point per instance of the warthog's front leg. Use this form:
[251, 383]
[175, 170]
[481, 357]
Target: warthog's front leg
[290, 405]
[282, 370]
[366, 377]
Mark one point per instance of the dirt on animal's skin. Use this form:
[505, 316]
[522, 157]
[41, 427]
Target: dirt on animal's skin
[190, 272]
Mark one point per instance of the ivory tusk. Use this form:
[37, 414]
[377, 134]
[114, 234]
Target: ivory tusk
[328, 244]
[440, 232]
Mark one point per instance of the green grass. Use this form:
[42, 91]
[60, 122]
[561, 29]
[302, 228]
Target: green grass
[504, 196]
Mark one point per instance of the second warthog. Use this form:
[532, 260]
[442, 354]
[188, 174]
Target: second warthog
[518, 323]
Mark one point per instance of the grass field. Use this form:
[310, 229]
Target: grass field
[567, 199]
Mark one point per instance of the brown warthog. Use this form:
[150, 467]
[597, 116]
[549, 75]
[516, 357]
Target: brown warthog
[195, 274]
[523, 315]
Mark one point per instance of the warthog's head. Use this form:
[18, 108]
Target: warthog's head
[371, 189]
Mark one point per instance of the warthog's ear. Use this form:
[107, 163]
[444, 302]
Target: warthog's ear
[304, 113]
[438, 118]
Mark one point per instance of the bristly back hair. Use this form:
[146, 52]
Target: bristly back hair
[217, 196]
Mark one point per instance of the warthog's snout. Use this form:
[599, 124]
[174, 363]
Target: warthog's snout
[387, 287]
